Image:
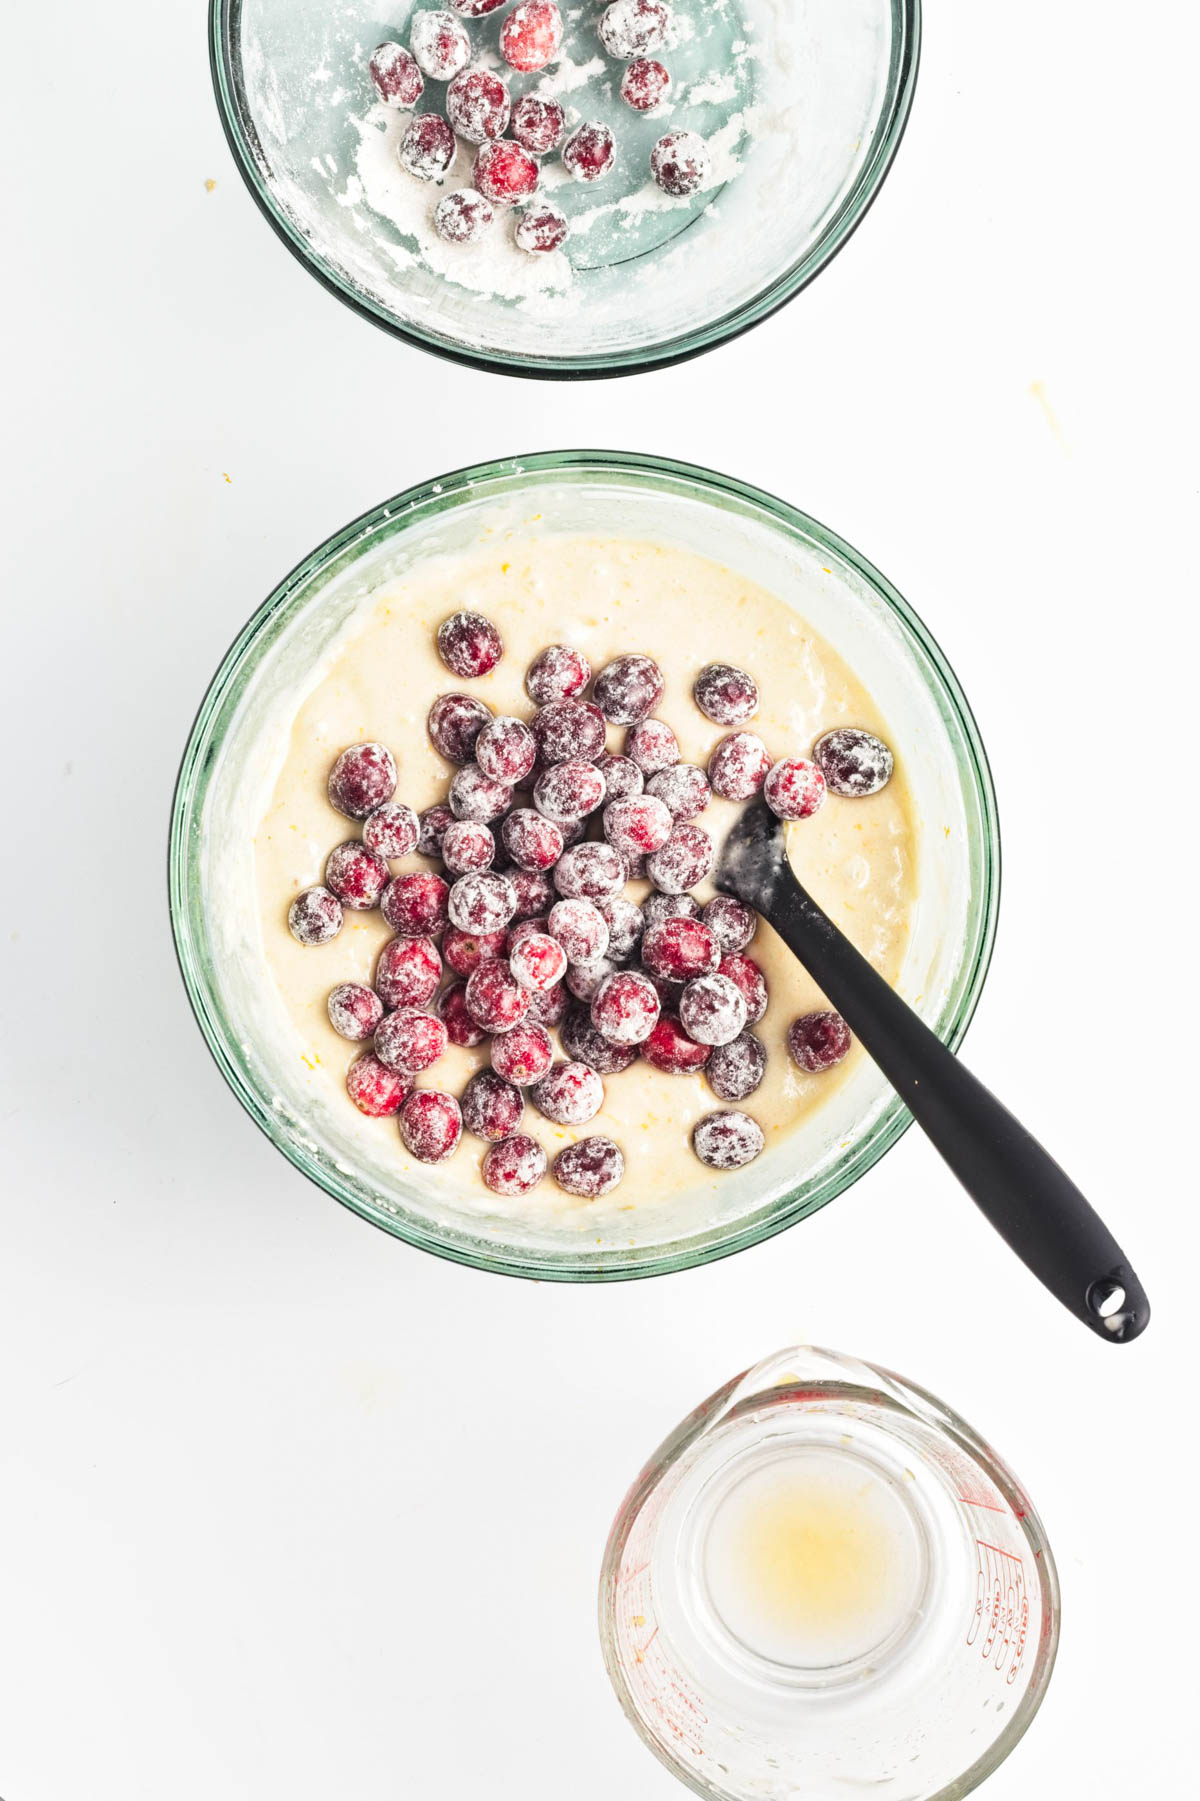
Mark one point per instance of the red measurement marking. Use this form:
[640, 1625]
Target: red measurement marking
[985, 1546]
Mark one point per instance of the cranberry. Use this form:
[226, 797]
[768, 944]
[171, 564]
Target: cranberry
[638, 825]
[467, 846]
[363, 777]
[356, 875]
[581, 929]
[652, 745]
[569, 790]
[524, 928]
[465, 951]
[427, 147]
[750, 981]
[645, 84]
[853, 762]
[409, 1040]
[407, 972]
[440, 44]
[461, 1029]
[476, 796]
[469, 644]
[505, 172]
[657, 907]
[482, 902]
[475, 9]
[732, 920]
[735, 1070]
[534, 892]
[683, 790]
[583, 1043]
[725, 694]
[541, 228]
[589, 870]
[567, 730]
[531, 35]
[738, 766]
[625, 1007]
[794, 788]
[539, 125]
[415, 905]
[391, 830]
[532, 841]
[589, 152]
[680, 949]
[462, 217]
[433, 823]
[455, 722]
[397, 76]
[524, 1054]
[477, 105]
[494, 999]
[685, 859]
[431, 1125]
[817, 1041]
[558, 672]
[315, 916]
[622, 777]
[538, 961]
[712, 1009]
[630, 28]
[491, 1107]
[625, 925]
[515, 1166]
[728, 1139]
[584, 979]
[628, 689]
[680, 162]
[550, 1005]
[354, 1011]
[670, 1049]
[569, 1095]
[589, 1169]
[506, 750]
[375, 1089]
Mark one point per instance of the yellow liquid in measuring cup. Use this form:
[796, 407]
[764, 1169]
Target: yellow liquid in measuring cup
[814, 1560]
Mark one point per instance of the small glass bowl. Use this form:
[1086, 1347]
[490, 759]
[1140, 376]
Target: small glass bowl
[811, 101]
[215, 908]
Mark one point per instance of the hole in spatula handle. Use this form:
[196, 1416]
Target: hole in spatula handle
[1118, 1302]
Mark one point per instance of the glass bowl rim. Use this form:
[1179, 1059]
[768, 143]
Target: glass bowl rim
[853, 209]
[440, 494]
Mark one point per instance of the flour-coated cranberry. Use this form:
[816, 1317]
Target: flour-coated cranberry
[409, 1040]
[732, 920]
[712, 1009]
[645, 84]
[685, 859]
[657, 907]
[794, 788]
[652, 745]
[539, 125]
[583, 979]
[482, 902]
[476, 796]
[583, 1043]
[625, 1007]
[524, 928]
[431, 1125]
[506, 750]
[407, 972]
[433, 822]
[375, 1089]
[670, 1048]
[569, 730]
[549, 1005]
[853, 762]
[531, 840]
[816, 1041]
[727, 1140]
[684, 790]
[628, 689]
[392, 830]
[735, 1070]
[464, 951]
[462, 217]
[639, 825]
[557, 673]
[461, 1029]
[315, 916]
[415, 905]
[475, 9]
[427, 147]
[622, 777]
[680, 162]
[492, 1107]
[738, 766]
[726, 694]
[397, 76]
[515, 1166]
[568, 791]
[440, 44]
[523, 1054]
[541, 228]
[589, 870]
[749, 979]
[680, 949]
[506, 172]
[589, 152]
[477, 105]
[467, 846]
[354, 1011]
[469, 644]
[534, 892]
[631, 28]
[537, 961]
[625, 926]
[531, 35]
[494, 999]
[569, 1095]
[589, 1169]
[581, 929]
[356, 875]
[363, 777]
[454, 724]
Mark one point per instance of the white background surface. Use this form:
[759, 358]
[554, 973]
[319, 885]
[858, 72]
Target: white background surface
[290, 1511]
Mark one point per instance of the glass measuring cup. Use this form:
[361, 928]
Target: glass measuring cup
[824, 1582]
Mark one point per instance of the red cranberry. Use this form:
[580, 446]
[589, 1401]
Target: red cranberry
[461, 1029]
[427, 147]
[683, 790]
[589, 152]
[685, 859]
[568, 791]
[531, 35]
[538, 961]
[712, 1009]
[315, 916]
[440, 44]
[476, 796]
[625, 1007]
[638, 825]
[455, 722]
[356, 876]
[462, 217]
[817, 1041]
[583, 979]
[728, 1139]
[581, 929]
[738, 766]
[589, 870]
[475, 9]
[431, 1125]
[407, 972]
[505, 172]
[532, 841]
[494, 999]
[628, 689]
[645, 84]
[558, 672]
[541, 228]
[354, 1011]
[392, 830]
[491, 1107]
[657, 907]
[680, 949]
[469, 644]
[515, 1166]
[794, 788]
[506, 750]
[539, 125]
[652, 745]
[482, 902]
[853, 762]
[625, 925]
[397, 76]
[363, 777]
[570, 1095]
[550, 1004]
[589, 1169]
[409, 1040]
[467, 846]
[534, 892]
[568, 730]
[524, 1054]
[736, 1069]
[465, 951]
[622, 777]
[749, 979]
[477, 105]
[415, 905]
[725, 694]
[631, 28]
[732, 920]
[670, 1049]
[680, 162]
[583, 1043]
[375, 1089]
[433, 823]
